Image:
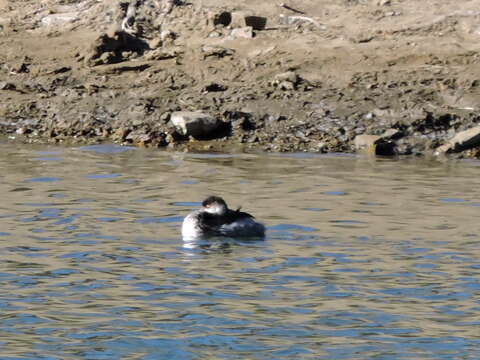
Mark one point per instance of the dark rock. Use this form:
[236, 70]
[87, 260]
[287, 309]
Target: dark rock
[224, 18]
[256, 22]
[214, 87]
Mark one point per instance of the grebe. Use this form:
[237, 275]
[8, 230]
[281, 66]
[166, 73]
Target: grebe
[216, 219]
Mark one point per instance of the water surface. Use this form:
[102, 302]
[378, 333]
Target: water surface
[364, 258]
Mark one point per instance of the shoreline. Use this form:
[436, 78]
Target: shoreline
[385, 77]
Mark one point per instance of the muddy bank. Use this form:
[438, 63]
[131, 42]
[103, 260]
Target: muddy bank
[392, 77]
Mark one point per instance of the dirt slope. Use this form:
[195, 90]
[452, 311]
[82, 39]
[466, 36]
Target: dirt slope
[315, 75]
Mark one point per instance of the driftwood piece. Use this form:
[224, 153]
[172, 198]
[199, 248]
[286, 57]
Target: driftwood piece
[285, 6]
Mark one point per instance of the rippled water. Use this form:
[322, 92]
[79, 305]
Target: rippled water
[364, 258]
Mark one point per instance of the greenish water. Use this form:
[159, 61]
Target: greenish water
[364, 258]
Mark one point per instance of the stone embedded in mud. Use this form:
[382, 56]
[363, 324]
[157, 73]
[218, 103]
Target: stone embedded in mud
[196, 124]
[224, 18]
[164, 54]
[242, 33]
[57, 19]
[108, 48]
[256, 22]
[366, 142]
[391, 134]
[286, 81]
[215, 50]
[107, 57]
[21, 131]
[214, 87]
[237, 19]
[287, 76]
[464, 140]
[373, 144]
[5, 85]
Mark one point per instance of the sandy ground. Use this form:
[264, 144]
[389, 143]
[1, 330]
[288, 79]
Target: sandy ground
[316, 75]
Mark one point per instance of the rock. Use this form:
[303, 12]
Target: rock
[113, 45]
[57, 19]
[155, 43]
[5, 85]
[464, 140]
[366, 142]
[373, 144]
[243, 33]
[120, 134]
[165, 117]
[167, 36]
[19, 67]
[164, 54]
[214, 87]
[195, 124]
[224, 18]
[286, 81]
[289, 76]
[256, 22]
[384, 2]
[140, 137]
[286, 85]
[238, 19]
[5, 23]
[391, 134]
[215, 50]
[107, 58]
